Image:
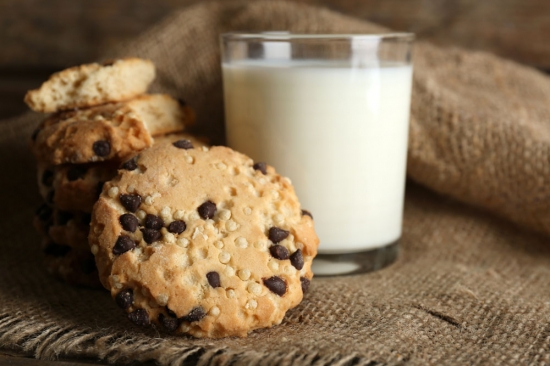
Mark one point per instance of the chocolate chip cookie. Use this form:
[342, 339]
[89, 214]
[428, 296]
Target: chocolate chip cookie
[92, 84]
[71, 265]
[113, 131]
[202, 241]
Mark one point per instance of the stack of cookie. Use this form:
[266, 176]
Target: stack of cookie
[100, 118]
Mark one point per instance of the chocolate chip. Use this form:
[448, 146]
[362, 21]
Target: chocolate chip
[307, 213]
[63, 217]
[108, 63]
[50, 196]
[129, 222]
[130, 202]
[276, 234]
[86, 219]
[153, 222]
[47, 178]
[130, 164]
[100, 188]
[194, 315]
[151, 235]
[125, 298]
[305, 284]
[44, 212]
[139, 317]
[207, 210]
[123, 244]
[76, 172]
[276, 285]
[171, 313]
[88, 266]
[261, 167]
[297, 259]
[182, 102]
[279, 252]
[169, 323]
[183, 144]
[102, 148]
[57, 250]
[177, 227]
[213, 279]
[35, 134]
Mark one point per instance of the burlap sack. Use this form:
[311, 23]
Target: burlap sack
[468, 288]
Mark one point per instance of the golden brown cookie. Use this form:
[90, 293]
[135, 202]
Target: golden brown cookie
[76, 187]
[113, 131]
[71, 265]
[63, 227]
[202, 241]
[92, 84]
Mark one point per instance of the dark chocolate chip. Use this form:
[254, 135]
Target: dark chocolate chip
[279, 252]
[177, 227]
[50, 196]
[35, 134]
[129, 222]
[57, 250]
[153, 222]
[194, 315]
[183, 144]
[139, 317]
[207, 210]
[276, 234]
[171, 313]
[182, 102]
[123, 244]
[305, 284]
[151, 235]
[213, 279]
[130, 202]
[88, 266]
[261, 167]
[76, 172]
[44, 212]
[125, 298]
[102, 148]
[169, 323]
[100, 188]
[297, 259]
[307, 213]
[276, 285]
[63, 217]
[86, 218]
[47, 178]
[130, 164]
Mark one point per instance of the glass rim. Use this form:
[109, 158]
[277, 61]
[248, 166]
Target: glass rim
[287, 36]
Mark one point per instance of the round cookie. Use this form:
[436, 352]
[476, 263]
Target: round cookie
[92, 84]
[202, 241]
[76, 187]
[73, 266]
[113, 131]
[63, 227]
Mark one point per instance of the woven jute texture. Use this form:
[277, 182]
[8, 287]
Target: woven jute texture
[471, 285]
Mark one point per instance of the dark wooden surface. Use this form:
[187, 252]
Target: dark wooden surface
[39, 37]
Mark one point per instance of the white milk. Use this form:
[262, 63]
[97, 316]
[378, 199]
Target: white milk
[339, 134]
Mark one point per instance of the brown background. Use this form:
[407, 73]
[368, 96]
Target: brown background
[39, 37]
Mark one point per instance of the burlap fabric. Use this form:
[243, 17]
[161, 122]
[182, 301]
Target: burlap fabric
[471, 286]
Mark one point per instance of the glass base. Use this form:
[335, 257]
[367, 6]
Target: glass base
[354, 263]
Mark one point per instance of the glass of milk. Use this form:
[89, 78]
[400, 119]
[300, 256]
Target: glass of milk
[331, 112]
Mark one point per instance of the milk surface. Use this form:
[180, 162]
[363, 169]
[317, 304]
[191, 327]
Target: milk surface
[339, 134]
